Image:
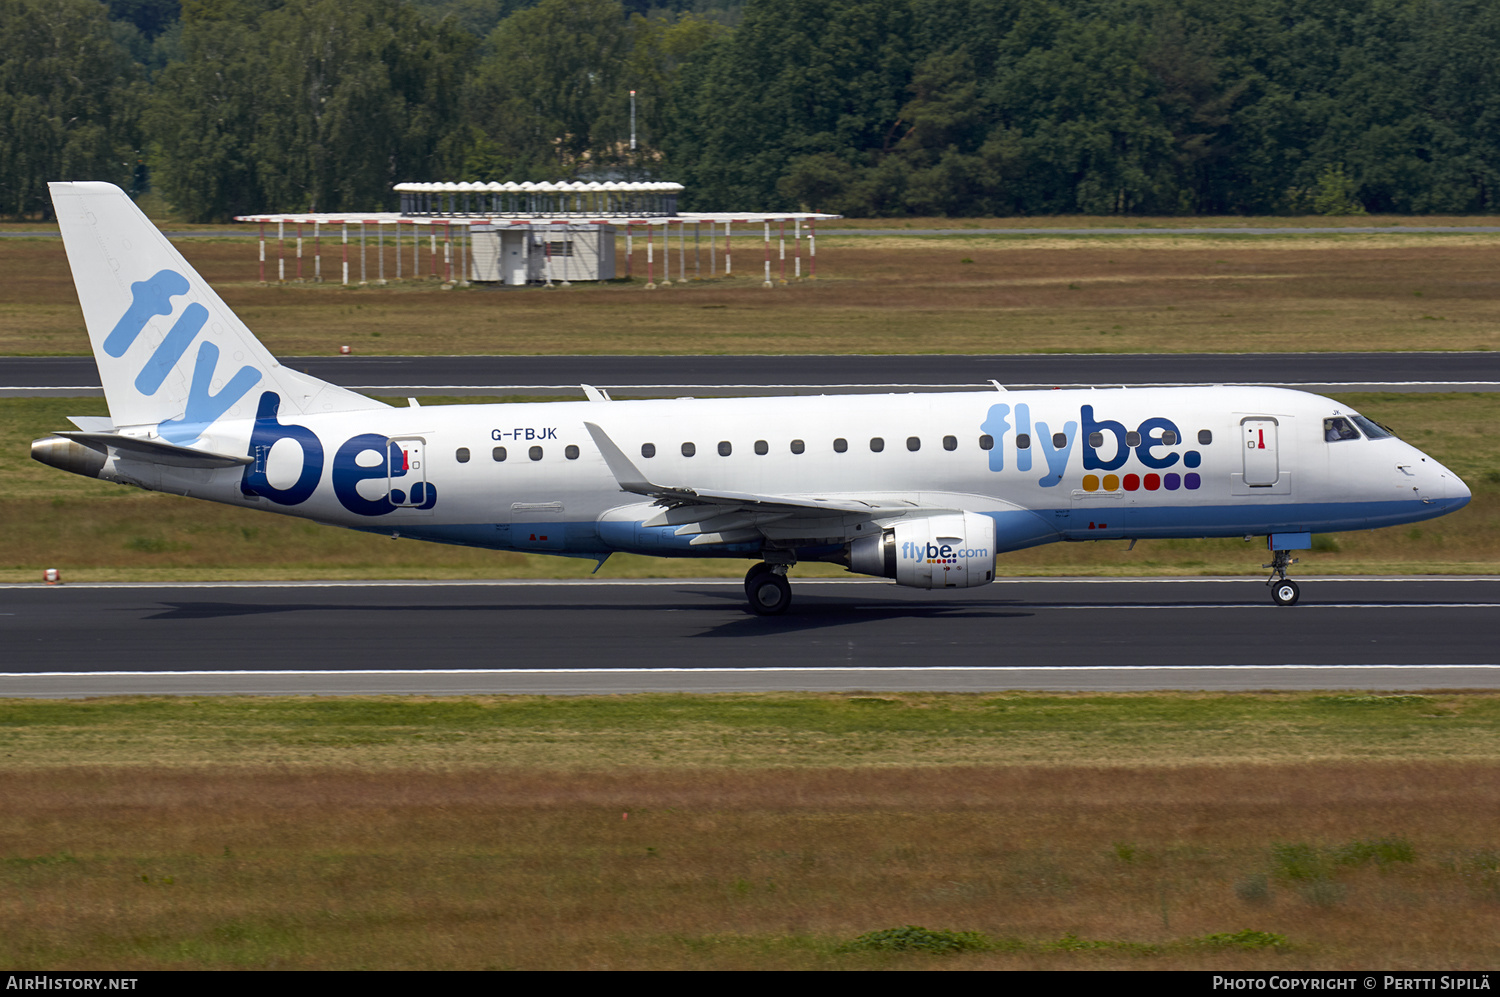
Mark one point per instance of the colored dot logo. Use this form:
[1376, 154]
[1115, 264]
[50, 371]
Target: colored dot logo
[1152, 482]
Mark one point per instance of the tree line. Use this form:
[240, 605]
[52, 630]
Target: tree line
[862, 107]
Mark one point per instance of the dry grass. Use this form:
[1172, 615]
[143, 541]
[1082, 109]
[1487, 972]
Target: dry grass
[735, 870]
[875, 294]
[745, 731]
[1074, 831]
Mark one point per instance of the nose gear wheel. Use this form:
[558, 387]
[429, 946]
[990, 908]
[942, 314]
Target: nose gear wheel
[1284, 591]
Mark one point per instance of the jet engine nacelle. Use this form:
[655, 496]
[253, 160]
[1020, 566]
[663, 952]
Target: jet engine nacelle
[955, 550]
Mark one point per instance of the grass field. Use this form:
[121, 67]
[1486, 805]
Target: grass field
[1136, 831]
[967, 292]
[1269, 831]
[93, 530]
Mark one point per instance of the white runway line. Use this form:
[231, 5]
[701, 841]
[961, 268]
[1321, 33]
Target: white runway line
[754, 670]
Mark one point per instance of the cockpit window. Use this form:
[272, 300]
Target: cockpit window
[1373, 430]
[1338, 429]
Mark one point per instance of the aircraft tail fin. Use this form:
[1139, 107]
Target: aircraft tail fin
[172, 356]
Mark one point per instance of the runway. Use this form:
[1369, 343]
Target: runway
[670, 376]
[695, 635]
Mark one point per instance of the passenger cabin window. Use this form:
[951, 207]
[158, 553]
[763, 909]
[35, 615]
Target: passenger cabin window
[986, 442]
[1132, 439]
[762, 448]
[1023, 441]
[876, 444]
[913, 443]
[570, 452]
[950, 443]
[1338, 429]
[1169, 438]
[1096, 440]
[798, 446]
[840, 445]
[535, 453]
[499, 454]
[688, 449]
[725, 449]
[462, 454]
[1059, 441]
[1205, 437]
[648, 449]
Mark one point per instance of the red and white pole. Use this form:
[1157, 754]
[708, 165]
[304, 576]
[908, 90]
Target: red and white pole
[728, 228]
[812, 250]
[344, 234]
[650, 261]
[281, 250]
[767, 281]
[783, 250]
[299, 252]
[797, 241]
[262, 252]
[317, 252]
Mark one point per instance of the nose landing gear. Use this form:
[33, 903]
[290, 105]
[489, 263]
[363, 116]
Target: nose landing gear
[767, 589]
[1284, 591]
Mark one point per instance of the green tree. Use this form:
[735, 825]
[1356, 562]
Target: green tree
[551, 94]
[70, 101]
[797, 78]
[306, 105]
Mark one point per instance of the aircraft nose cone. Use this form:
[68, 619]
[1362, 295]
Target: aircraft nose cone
[1450, 489]
[1458, 492]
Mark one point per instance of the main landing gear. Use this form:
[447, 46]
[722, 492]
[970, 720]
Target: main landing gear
[1284, 591]
[767, 589]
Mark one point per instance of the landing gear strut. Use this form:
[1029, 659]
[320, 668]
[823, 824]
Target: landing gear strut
[1284, 591]
[767, 589]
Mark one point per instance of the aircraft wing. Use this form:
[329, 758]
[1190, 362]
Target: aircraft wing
[737, 517]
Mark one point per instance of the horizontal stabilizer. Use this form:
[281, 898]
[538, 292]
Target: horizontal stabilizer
[154, 451]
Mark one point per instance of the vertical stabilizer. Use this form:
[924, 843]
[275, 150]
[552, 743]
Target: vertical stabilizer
[172, 357]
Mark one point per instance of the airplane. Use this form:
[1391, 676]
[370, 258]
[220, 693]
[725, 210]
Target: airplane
[928, 489]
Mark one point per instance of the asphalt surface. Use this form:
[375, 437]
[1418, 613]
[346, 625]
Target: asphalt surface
[587, 637]
[625, 376]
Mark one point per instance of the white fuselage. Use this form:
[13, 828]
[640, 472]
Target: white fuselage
[1044, 465]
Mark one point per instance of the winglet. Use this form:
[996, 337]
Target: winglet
[626, 473]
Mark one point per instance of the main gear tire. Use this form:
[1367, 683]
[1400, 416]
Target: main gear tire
[1285, 592]
[769, 593]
